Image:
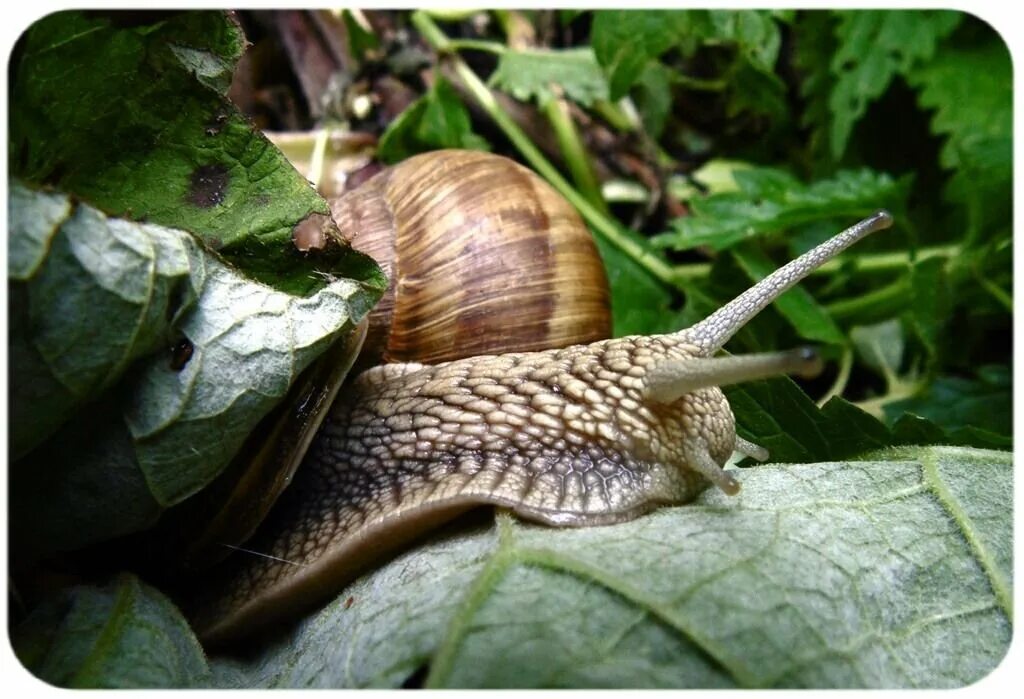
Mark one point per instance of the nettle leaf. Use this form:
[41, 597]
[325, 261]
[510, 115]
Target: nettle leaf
[641, 304]
[625, 40]
[967, 88]
[880, 346]
[95, 324]
[952, 402]
[771, 200]
[874, 46]
[780, 417]
[652, 95]
[813, 48]
[931, 301]
[436, 120]
[530, 74]
[145, 132]
[122, 635]
[890, 572]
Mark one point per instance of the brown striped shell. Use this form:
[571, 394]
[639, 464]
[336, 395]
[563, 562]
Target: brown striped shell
[484, 257]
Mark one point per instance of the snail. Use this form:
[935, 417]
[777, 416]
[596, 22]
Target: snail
[589, 434]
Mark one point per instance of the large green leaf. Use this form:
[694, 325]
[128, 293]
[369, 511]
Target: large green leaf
[769, 200]
[122, 635]
[893, 572]
[436, 120]
[967, 89]
[530, 74]
[873, 47]
[169, 357]
[128, 113]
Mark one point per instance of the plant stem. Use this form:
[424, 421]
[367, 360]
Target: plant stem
[557, 112]
[845, 366]
[478, 45]
[603, 224]
[881, 303]
[867, 263]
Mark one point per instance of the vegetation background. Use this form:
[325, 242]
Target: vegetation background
[703, 148]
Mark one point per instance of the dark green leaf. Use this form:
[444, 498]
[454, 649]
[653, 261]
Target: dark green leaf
[640, 303]
[967, 88]
[653, 96]
[930, 301]
[530, 74]
[873, 47]
[436, 120]
[771, 200]
[123, 635]
[952, 402]
[139, 133]
[889, 572]
[813, 49]
[360, 40]
[625, 40]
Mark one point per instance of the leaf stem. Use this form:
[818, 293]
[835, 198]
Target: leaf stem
[866, 263]
[839, 385]
[612, 231]
[881, 303]
[478, 45]
[557, 112]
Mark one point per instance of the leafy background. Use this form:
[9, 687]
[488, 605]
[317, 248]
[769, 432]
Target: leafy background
[703, 148]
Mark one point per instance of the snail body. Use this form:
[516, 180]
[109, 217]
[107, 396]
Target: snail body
[588, 434]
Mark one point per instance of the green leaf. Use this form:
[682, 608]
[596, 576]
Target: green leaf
[931, 302]
[813, 49]
[780, 417]
[914, 429]
[652, 94]
[625, 40]
[770, 200]
[98, 319]
[360, 40]
[641, 304]
[952, 402]
[530, 74]
[874, 46]
[880, 347]
[122, 635]
[144, 131]
[973, 110]
[436, 120]
[891, 572]
[810, 320]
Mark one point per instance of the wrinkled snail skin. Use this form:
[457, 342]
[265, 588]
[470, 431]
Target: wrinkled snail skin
[584, 435]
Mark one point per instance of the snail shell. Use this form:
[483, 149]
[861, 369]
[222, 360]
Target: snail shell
[483, 255]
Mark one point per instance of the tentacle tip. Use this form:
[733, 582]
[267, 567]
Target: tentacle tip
[729, 485]
[881, 219]
[809, 362]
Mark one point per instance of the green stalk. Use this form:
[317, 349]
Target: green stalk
[882, 303]
[866, 263]
[557, 112]
[600, 222]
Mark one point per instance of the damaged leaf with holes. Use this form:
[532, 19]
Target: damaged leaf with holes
[144, 131]
[139, 365]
